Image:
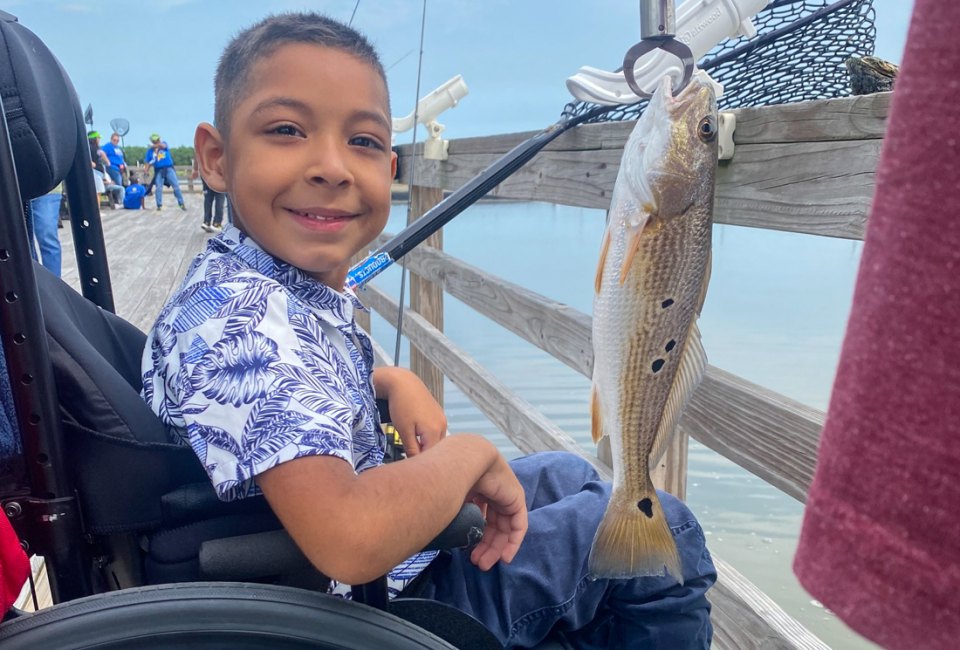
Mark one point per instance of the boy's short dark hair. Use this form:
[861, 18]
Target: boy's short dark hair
[263, 38]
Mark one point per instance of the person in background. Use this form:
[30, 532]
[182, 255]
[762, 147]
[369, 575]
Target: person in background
[117, 167]
[114, 191]
[43, 220]
[98, 159]
[158, 156]
[135, 195]
[212, 203]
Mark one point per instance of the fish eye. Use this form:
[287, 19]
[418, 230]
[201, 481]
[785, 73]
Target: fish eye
[707, 129]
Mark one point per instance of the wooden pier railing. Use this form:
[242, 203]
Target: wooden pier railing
[806, 168]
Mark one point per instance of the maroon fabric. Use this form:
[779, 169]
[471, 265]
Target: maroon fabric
[880, 544]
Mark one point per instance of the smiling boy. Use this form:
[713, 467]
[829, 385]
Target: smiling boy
[257, 364]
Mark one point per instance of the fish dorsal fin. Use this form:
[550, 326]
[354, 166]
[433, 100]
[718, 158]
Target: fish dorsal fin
[693, 364]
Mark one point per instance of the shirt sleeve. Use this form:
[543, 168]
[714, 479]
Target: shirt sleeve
[259, 384]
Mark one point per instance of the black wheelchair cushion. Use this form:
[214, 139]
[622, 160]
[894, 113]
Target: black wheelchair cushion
[125, 459]
[38, 101]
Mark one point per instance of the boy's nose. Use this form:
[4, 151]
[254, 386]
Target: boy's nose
[329, 165]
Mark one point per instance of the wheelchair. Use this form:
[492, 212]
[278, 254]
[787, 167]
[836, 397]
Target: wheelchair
[138, 548]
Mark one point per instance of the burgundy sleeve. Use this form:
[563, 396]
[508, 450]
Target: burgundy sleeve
[880, 544]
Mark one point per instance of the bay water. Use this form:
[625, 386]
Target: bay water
[775, 315]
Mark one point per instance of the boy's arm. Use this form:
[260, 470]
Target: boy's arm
[416, 415]
[357, 527]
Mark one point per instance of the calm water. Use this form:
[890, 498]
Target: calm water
[775, 315]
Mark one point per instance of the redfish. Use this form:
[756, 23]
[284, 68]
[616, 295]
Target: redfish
[650, 286]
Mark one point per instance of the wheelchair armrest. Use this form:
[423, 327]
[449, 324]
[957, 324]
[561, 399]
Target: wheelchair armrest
[274, 553]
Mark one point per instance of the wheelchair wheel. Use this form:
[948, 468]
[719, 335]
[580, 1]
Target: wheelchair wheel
[213, 615]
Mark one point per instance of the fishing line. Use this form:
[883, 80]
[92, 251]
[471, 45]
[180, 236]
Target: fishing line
[410, 185]
[354, 13]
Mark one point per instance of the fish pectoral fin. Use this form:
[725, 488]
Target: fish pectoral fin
[604, 249]
[693, 365]
[632, 245]
[596, 419]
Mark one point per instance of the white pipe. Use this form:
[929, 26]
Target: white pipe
[430, 106]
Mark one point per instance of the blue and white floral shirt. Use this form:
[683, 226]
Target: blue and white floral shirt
[253, 363]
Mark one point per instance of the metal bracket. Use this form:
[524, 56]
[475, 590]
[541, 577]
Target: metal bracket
[44, 525]
[726, 125]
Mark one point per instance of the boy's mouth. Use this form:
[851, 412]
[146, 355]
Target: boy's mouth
[322, 214]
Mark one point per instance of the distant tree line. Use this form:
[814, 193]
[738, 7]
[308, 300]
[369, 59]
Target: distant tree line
[181, 155]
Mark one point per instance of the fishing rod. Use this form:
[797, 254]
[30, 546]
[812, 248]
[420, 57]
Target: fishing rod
[462, 198]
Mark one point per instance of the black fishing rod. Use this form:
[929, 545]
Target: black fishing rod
[465, 196]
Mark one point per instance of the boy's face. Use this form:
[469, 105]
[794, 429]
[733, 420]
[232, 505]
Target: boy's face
[307, 162]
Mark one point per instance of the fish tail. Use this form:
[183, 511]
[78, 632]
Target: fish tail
[634, 539]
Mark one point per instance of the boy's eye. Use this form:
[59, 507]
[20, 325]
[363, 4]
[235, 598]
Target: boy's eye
[285, 129]
[365, 141]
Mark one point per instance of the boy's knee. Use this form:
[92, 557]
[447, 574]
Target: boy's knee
[691, 541]
[562, 462]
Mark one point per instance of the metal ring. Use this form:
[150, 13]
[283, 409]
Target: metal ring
[671, 45]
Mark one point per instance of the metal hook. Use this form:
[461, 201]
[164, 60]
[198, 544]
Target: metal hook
[671, 45]
[658, 26]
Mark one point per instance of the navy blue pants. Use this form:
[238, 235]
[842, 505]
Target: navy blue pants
[547, 585]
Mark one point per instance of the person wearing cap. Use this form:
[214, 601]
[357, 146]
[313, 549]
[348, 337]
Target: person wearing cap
[159, 156]
[98, 159]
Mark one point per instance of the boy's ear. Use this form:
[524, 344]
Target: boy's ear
[393, 164]
[209, 149]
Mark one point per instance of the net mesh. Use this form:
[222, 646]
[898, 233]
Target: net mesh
[797, 55]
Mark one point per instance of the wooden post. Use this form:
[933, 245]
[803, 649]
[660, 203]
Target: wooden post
[426, 298]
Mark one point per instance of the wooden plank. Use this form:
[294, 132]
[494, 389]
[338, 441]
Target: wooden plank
[745, 618]
[821, 188]
[426, 298]
[806, 167]
[768, 434]
[741, 611]
[844, 118]
[847, 118]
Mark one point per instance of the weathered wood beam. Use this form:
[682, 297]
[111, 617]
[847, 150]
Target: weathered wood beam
[806, 167]
[745, 618]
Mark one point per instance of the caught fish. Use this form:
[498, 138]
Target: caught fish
[651, 282]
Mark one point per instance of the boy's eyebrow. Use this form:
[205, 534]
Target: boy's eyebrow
[296, 104]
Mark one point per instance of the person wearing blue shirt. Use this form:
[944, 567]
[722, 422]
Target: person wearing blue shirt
[133, 197]
[159, 156]
[118, 166]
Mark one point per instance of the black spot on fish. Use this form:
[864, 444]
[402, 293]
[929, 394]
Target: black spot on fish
[670, 345]
[666, 303]
[658, 364]
[646, 507]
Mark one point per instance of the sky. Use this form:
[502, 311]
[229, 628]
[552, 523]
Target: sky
[152, 62]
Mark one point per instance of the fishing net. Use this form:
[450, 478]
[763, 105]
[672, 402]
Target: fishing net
[797, 55]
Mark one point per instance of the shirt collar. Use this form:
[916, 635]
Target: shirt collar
[337, 307]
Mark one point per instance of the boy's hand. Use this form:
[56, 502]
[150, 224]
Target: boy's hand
[500, 496]
[415, 414]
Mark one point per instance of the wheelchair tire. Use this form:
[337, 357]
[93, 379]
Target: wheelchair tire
[213, 615]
